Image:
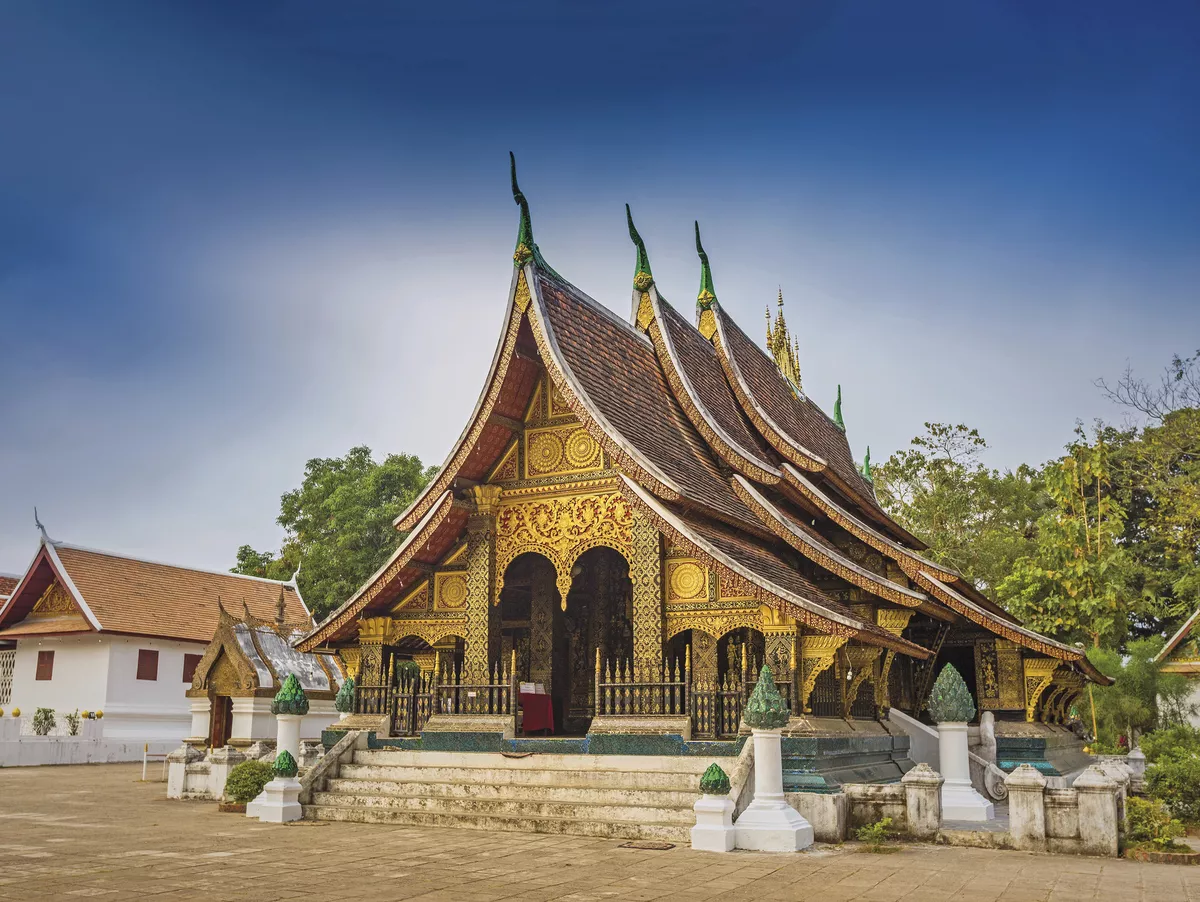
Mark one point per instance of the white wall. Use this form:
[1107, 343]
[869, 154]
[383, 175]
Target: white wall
[79, 679]
[148, 709]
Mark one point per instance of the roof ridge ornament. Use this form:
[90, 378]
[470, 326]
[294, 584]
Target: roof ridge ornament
[37, 521]
[524, 252]
[706, 320]
[866, 467]
[783, 348]
[837, 410]
[643, 278]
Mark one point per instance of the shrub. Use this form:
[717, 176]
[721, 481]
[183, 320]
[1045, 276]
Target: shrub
[1182, 739]
[72, 722]
[1175, 780]
[43, 721]
[876, 834]
[1149, 821]
[247, 780]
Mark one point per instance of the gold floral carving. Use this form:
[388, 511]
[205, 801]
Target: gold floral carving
[1039, 674]
[645, 572]
[817, 654]
[645, 312]
[481, 559]
[450, 591]
[708, 324]
[687, 580]
[416, 600]
[895, 622]
[560, 449]
[561, 529]
[55, 600]
[714, 623]
[350, 656]
[486, 498]
[558, 404]
[862, 661]
[1011, 675]
[374, 630]
[521, 295]
[430, 631]
[506, 470]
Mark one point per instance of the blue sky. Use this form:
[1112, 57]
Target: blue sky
[235, 236]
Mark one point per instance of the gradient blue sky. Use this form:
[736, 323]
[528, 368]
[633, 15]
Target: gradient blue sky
[234, 236]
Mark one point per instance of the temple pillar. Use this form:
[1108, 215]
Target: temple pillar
[373, 632]
[543, 598]
[645, 572]
[481, 565]
[781, 637]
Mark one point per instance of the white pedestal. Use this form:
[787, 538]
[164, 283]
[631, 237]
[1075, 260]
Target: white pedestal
[278, 803]
[714, 824]
[960, 801]
[770, 824]
[287, 732]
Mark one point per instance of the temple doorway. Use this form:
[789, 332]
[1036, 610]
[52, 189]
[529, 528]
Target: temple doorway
[556, 648]
[220, 721]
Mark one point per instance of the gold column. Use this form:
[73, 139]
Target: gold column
[543, 597]
[480, 560]
[645, 572]
[373, 632]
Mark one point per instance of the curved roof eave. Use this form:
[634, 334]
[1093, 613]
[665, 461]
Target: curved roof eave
[833, 562]
[772, 432]
[804, 610]
[581, 405]
[479, 417]
[909, 560]
[394, 564]
[738, 457]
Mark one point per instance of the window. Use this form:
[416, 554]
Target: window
[147, 664]
[45, 665]
[189, 666]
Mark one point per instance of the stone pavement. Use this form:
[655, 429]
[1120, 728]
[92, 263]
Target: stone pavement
[71, 832]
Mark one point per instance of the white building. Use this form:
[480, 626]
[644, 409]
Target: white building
[1181, 655]
[93, 631]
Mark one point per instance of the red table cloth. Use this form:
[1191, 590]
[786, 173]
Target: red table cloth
[538, 712]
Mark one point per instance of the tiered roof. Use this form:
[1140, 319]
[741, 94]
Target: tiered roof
[715, 441]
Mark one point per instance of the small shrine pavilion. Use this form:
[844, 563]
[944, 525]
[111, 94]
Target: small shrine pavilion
[641, 512]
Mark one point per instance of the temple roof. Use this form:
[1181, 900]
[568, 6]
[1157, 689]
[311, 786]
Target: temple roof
[1192, 662]
[115, 593]
[7, 584]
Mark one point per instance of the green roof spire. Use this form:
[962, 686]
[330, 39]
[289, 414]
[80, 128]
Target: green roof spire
[866, 467]
[707, 295]
[642, 277]
[837, 411]
[526, 249]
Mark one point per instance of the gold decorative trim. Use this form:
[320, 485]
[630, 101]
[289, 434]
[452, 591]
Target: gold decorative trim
[713, 623]
[817, 654]
[450, 591]
[1039, 674]
[429, 631]
[521, 295]
[416, 600]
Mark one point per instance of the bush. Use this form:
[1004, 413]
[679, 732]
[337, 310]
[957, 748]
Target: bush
[43, 721]
[1175, 780]
[247, 780]
[1182, 739]
[1149, 821]
[72, 722]
[876, 834]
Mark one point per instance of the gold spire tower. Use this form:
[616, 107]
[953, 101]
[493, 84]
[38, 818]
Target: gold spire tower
[783, 348]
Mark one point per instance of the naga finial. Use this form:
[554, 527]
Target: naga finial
[837, 411]
[642, 277]
[525, 246]
[707, 295]
[866, 467]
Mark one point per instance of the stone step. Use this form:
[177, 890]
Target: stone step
[674, 764]
[582, 795]
[559, 825]
[523, 808]
[584, 779]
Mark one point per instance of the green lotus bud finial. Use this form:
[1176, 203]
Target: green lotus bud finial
[344, 700]
[715, 781]
[866, 467]
[290, 699]
[837, 411]
[707, 294]
[642, 277]
[766, 709]
[285, 765]
[950, 700]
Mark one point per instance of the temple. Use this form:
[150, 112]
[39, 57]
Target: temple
[640, 513]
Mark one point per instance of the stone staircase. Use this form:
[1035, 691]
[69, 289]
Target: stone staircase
[619, 796]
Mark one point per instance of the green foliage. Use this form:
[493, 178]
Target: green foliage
[715, 781]
[43, 721]
[1175, 780]
[1131, 704]
[766, 709]
[1181, 739]
[344, 700]
[976, 520]
[406, 670]
[247, 780]
[285, 765]
[290, 699]
[339, 524]
[950, 700]
[73, 721]
[1149, 821]
[876, 834]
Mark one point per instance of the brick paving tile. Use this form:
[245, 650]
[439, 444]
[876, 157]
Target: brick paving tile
[96, 832]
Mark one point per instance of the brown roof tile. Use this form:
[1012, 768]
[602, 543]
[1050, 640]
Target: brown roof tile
[7, 584]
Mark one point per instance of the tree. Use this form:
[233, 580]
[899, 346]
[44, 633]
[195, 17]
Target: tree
[1141, 698]
[976, 520]
[1075, 580]
[1178, 388]
[339, 524]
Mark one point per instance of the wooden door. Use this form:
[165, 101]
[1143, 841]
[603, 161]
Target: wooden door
[220, 721]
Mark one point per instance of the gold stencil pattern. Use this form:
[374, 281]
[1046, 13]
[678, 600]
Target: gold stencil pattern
[687, 580]
[451, 592]
[560, 449]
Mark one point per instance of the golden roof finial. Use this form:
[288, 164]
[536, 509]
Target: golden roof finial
[782, 347]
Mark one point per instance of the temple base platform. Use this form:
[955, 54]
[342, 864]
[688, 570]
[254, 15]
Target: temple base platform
[1055, 751]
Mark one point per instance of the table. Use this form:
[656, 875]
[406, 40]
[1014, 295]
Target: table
[538, 712]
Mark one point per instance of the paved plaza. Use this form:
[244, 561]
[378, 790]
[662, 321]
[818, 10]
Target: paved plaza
[72, 832]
